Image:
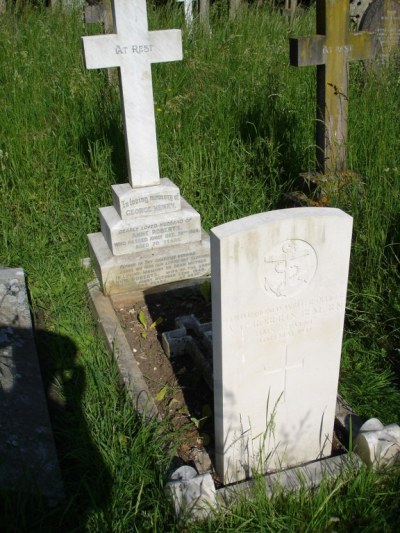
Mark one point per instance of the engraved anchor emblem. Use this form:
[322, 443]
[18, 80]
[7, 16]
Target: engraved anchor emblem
[290, 267]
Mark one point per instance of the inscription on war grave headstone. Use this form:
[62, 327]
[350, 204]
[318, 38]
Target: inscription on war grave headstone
[277, 336]
[331, 50]
[150, 236]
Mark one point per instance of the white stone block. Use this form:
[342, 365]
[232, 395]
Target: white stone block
[378, 445]
[146, 233]
[132, 202]
[150, 268]
[192, 497]
[279, 283]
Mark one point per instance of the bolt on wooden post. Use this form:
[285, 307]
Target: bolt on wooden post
[331, 50]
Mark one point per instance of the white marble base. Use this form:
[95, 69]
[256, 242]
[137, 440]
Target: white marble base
[132, 202]
[145, 233]
[148, 268]
[378, 445]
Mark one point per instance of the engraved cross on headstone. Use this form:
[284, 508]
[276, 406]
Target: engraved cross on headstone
[283, 370]
[331, 50]
[133, 48]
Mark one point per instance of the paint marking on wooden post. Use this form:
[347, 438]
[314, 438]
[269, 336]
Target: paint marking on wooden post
[331, 50]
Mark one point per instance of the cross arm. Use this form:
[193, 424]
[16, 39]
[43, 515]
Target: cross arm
[306, 51]
[99, 51]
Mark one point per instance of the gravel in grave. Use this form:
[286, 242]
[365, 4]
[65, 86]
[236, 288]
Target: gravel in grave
[177, 386]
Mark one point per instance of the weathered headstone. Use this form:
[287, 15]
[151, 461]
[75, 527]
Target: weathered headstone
[28, 458]
[383, 18]
[100, 12]
[279, 282]
[331, 50]
[150, 236]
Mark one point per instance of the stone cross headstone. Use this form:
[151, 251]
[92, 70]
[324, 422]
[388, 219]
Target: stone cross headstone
[279, 283]
[331, 50]
[133, 48]
[150, 235]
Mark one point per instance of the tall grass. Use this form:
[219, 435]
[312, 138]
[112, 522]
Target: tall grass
[235, 126]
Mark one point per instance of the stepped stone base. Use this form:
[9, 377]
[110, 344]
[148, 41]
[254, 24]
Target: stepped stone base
[148, 232]
[148, 268]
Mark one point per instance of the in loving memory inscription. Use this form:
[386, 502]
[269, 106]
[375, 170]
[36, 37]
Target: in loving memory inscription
[133, 49]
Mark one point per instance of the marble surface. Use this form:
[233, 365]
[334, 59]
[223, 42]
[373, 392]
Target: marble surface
[118, 274]
[279, 282]
[133, 48]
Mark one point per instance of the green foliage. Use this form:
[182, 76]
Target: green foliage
[235, 126]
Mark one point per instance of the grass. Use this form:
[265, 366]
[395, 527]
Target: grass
[235, 127]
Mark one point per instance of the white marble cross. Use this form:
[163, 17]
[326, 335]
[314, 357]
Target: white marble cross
[133, 48]
[283, 370]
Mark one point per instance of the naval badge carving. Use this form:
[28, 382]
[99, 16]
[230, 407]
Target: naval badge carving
[290, 267]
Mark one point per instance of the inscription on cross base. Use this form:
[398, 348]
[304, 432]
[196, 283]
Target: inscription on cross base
[283, 370]
[133, 49]
[331, 50]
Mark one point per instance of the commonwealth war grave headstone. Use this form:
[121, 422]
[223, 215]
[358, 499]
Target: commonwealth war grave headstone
[150, 236]
[277, 336]
[331, 50]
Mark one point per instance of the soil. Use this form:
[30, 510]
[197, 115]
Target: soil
[177, 385]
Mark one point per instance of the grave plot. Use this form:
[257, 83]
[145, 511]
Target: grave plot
[279, 282]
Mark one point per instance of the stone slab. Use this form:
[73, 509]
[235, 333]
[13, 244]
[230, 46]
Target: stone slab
[132, 202]
[147, 233]
[279, 283]
[308, 476]
[192, 497]
[28, 458]
[149, 268]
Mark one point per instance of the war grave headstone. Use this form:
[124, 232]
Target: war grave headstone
[330, 50]
[277, 336]
[28, 458]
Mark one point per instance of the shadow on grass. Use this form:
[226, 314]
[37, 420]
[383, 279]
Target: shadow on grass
[86, 478]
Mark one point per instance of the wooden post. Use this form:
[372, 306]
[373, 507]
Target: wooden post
[204, 14]
[331, 50]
